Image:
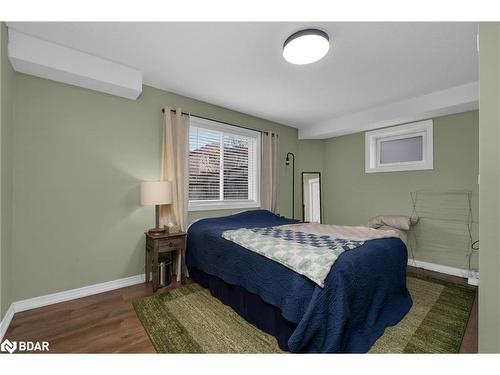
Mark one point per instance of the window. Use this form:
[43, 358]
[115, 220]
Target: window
[224, 166]
[400, 148]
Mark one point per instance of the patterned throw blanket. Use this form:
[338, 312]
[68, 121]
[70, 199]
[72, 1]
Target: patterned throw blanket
[309, 249]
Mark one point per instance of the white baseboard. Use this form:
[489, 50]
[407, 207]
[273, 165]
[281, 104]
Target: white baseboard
[49, 299]
[5, 322]
[471, 276]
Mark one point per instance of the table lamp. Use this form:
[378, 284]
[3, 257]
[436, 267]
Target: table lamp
[156, 193]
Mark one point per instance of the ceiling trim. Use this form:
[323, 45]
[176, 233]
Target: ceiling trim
[445, 102]
[44, 59]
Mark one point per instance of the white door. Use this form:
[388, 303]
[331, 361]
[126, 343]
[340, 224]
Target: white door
[314, 200]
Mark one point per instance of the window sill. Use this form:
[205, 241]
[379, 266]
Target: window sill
[218, 205]
[422, 166]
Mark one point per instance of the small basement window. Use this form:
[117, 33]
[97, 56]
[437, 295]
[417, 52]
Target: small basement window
[406, 147]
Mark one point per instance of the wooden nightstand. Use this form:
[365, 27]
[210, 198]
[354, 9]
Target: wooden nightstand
[156, 245]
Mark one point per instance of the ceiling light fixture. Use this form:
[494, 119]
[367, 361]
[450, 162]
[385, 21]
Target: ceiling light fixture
[306, 46]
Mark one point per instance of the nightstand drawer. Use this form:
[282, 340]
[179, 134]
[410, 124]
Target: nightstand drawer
[171, 243]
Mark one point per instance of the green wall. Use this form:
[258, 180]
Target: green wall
[489, 204]
[2, 83]
[78, 158]
[6, 94]
[72, 160]
[455, 167]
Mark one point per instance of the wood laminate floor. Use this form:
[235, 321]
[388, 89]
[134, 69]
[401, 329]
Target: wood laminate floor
[470, 340]
[107, 323]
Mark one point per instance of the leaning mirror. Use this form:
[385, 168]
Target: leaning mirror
[311, 197]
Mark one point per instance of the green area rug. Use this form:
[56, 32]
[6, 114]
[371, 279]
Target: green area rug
[190, 320]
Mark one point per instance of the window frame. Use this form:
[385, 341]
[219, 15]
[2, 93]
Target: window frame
[253, 177]
[374, 138]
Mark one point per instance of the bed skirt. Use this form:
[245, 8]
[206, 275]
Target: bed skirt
[248, 305]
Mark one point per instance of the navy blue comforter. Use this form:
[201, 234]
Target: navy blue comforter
[364, 292]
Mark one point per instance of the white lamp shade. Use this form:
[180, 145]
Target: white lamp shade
[156, 192]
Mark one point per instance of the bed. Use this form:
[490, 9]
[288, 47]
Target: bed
[364, 291]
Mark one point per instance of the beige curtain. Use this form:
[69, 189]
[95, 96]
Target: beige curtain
[270, 145]
[174, 167]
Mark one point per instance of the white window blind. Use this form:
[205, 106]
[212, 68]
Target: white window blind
[204, 164]
[223, 166]
[236, 158]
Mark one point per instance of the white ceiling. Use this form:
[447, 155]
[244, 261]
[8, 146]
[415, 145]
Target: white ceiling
[240, 65]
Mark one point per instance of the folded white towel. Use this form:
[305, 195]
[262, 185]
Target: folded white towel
[395, 221]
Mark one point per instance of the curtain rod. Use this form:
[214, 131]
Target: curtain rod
[222, 122]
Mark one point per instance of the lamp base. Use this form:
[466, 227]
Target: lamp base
[157, 231]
